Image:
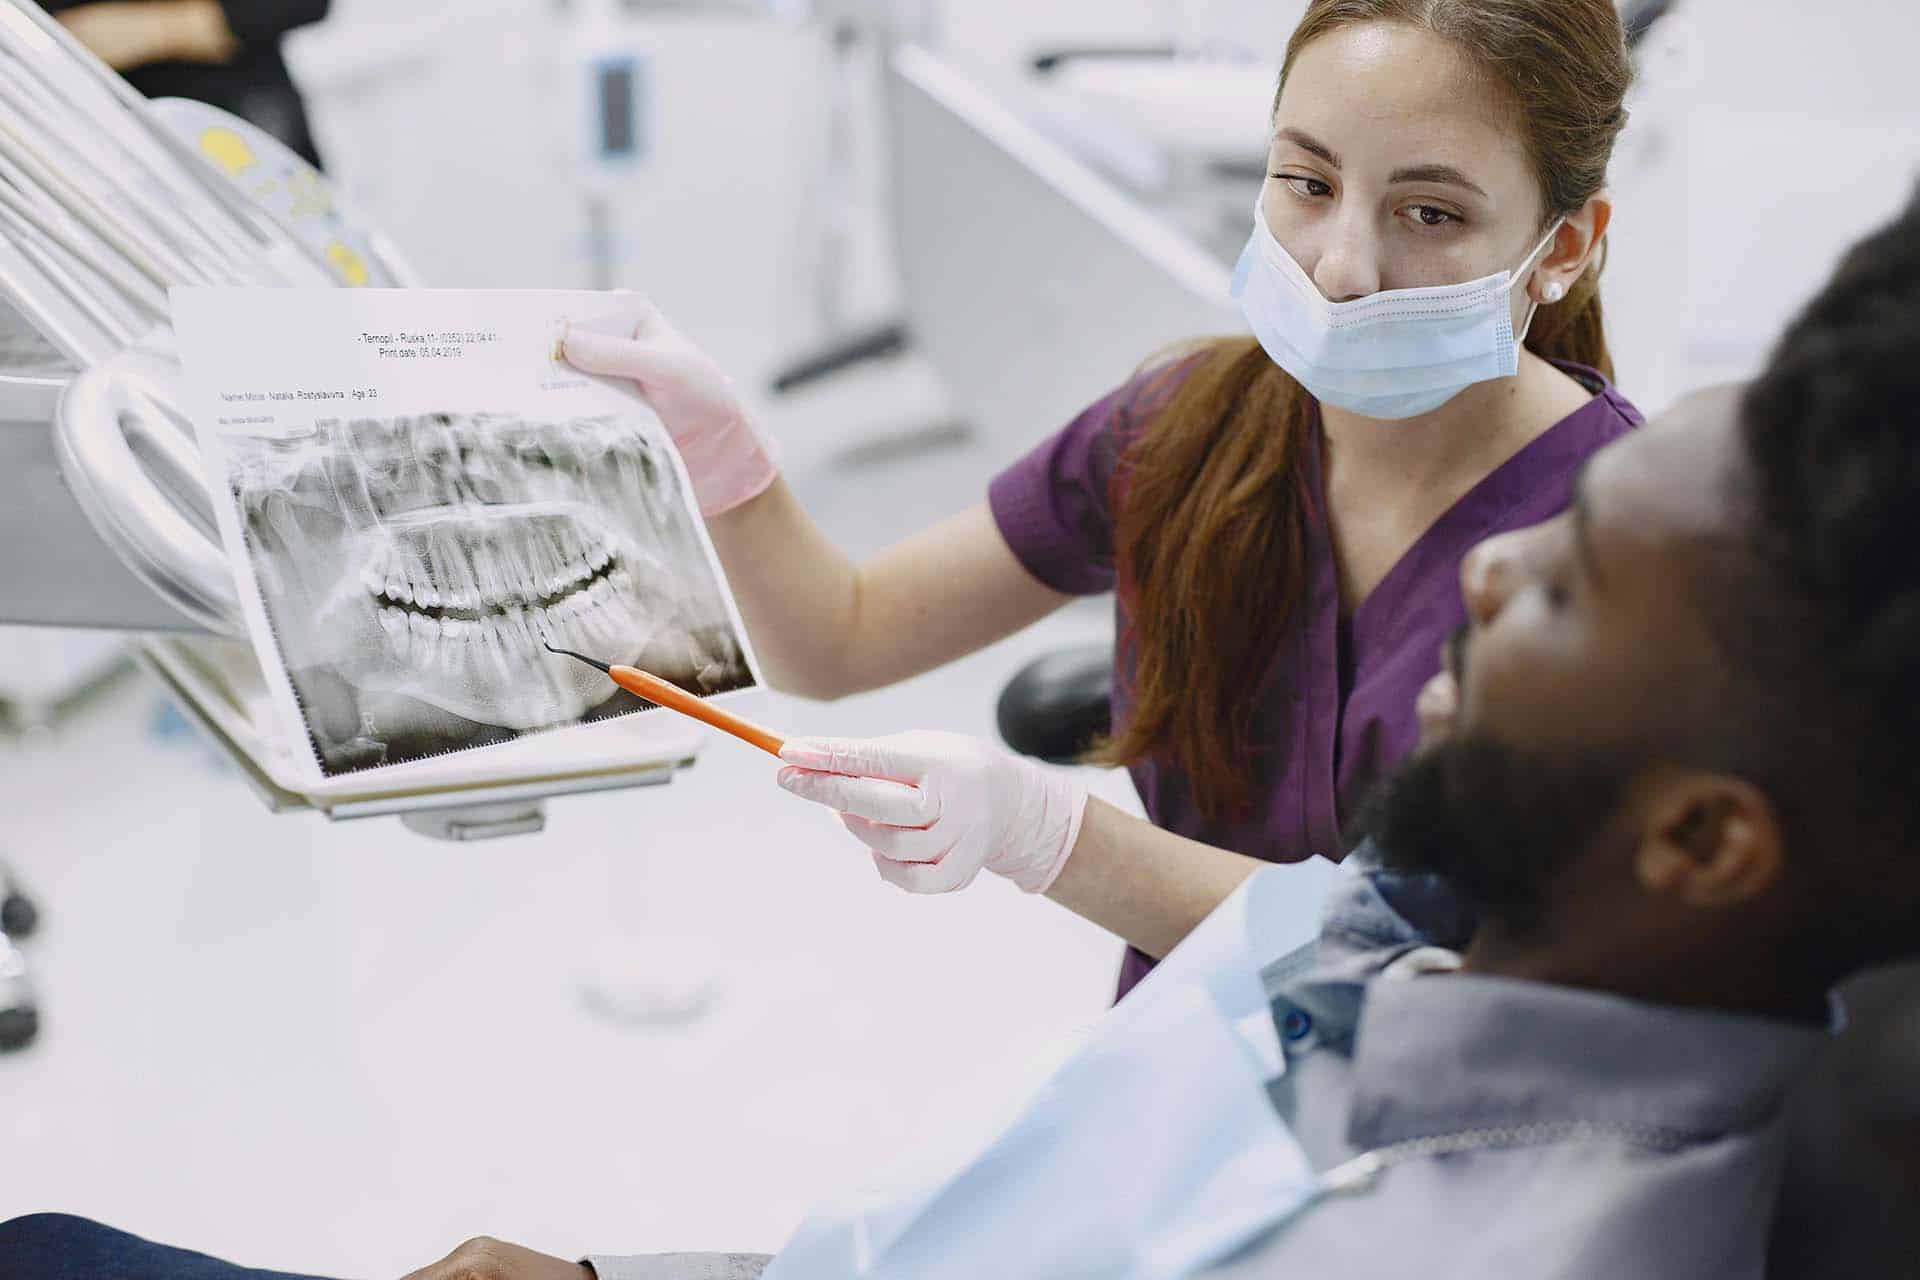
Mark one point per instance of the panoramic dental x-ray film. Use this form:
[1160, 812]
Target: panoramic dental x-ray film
[418, 495]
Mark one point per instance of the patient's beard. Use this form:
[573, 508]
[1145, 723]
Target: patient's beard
[1499, 825]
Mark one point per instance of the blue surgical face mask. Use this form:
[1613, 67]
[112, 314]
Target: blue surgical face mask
[1398, 353]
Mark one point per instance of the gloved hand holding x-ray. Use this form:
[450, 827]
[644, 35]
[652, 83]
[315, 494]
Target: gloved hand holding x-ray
[420, 498]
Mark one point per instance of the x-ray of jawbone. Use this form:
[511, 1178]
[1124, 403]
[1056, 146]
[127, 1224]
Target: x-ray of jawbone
[410, 568]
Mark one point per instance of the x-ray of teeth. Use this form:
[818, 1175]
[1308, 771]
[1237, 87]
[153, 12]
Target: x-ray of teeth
[411, 567]
[417, 496]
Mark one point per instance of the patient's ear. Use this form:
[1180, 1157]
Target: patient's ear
[1710, 841]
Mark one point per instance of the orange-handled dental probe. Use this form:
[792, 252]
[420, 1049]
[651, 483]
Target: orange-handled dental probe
[643, 684]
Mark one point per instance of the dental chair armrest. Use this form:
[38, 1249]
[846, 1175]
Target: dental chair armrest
[1059, 704]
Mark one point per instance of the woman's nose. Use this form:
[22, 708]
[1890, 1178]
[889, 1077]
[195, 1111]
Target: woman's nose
[1488, 574]
[1348, 266]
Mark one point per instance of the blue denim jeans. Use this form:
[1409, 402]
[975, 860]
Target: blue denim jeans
[58, 1246]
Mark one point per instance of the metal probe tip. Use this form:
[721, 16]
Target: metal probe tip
[568, 653]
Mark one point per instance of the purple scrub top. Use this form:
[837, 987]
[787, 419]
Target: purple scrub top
[1340, 712]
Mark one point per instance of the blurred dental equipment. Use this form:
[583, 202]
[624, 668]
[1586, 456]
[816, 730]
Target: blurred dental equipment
[106, 202]
[99, 199]
[611, 81]
[19, 1008]
[19, 917]
[223, 54]
[46, 674]
[293, 194]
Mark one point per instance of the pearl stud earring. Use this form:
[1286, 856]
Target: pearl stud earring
[1554, 291]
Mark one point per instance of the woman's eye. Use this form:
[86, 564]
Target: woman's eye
[1428, 215]
[1304, 186]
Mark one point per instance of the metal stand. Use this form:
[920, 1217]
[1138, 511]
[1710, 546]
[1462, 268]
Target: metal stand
[478, 822]
[857, 26]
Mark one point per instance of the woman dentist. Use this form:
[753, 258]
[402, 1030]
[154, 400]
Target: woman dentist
[1282, 518]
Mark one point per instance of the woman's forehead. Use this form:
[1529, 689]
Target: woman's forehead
[1385, 95]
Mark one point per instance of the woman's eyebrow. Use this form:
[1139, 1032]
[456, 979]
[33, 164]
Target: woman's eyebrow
[1441, 173]
[1307, 142]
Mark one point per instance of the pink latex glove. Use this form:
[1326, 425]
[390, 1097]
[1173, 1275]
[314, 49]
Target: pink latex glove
[937, 808]
[726, 459]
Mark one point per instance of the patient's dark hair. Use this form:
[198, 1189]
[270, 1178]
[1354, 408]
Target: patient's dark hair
[1823, 634]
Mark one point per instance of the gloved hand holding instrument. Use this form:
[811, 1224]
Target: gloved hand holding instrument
[935, 809]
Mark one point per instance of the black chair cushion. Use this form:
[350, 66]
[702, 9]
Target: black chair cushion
[1056, 706]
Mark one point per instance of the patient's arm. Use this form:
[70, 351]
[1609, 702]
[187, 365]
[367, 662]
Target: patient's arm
[825, 627]
[483, 1258]
[682, 1266]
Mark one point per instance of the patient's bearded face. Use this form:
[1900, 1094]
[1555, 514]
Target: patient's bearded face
[1587, 661]
[426, 559]
[1500, 826]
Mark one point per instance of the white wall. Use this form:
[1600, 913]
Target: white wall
[997, 34]
[458, 129]
[453, 127]
[1767, 134]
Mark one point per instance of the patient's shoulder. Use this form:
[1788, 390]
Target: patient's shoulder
[1376, 907]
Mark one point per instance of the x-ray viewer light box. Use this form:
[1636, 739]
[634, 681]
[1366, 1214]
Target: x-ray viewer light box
[416, 494]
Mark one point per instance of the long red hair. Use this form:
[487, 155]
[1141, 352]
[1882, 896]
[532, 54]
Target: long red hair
[1211, 498]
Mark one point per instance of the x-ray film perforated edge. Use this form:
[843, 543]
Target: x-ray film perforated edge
[204, 695]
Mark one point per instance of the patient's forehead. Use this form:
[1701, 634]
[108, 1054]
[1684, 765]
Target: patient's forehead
[1672, 482]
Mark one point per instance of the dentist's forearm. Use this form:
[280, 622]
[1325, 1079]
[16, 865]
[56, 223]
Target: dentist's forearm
[796, 590]
[1147, 885]
[824, 627]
